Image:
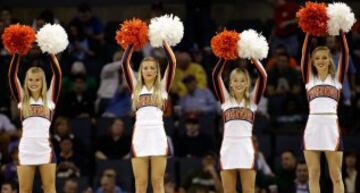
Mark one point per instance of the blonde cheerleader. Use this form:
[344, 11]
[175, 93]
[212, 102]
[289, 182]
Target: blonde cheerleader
[36, 104]
[239, 104]
[149, 95]
[323, 83]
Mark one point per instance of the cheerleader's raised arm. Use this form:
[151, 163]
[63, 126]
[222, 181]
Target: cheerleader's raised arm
[306, 59]
[14, 82]
[218, 83]
[170, 69]
[344, 58]
[260, 84]
[55, 85]
[128, 71]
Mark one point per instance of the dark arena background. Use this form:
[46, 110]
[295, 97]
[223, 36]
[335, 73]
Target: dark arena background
[91, 129]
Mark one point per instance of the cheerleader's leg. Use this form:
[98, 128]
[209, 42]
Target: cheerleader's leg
[247, 177]
[26, 176]
[158, 167]
[312, 159]
[229, 178]
[140, 170]
[48, 177]
[334, 159]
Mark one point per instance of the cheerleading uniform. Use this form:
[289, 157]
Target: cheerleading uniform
[322, 131]
[34, 146]
[237, 150]
[149, 137]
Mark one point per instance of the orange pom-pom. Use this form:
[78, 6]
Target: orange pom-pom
[132, 32]
[313, 18]
[224, 45]
[18, 38]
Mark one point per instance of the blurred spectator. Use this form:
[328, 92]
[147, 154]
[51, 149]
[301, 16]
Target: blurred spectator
[113, 95]
[264, 175]
[350, 80]
[278, 51]
[80, 46]
[67, 153]
[193, 142]
[120, 104]
[110, 78]
[116, 144]
[351, 172]
[301, 183]
[284, 86]
[67, 170]
[170, 184]
[90, 24]
[285, 26]
[78, 69]
[184, 68]
[205, 179]
[9, 187]
[9, 169]
[7, 17]
[71, 186]
[79, 102]
[62, 130]
[6, 125]
[286, 175]
[108, 185]
[261, 163]
[46, 16]
[198, 100]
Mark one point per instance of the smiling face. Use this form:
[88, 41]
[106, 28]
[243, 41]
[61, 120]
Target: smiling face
[149, 71]
[239, 82]
[34, 81]
[321, 60]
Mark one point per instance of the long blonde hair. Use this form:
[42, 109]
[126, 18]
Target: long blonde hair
[156, 96]
[331, 70]
[27, 93]
[236, 72]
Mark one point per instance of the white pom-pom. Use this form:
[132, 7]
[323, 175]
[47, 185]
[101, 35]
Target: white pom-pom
[340, 18]
[52, 39]
[252, 45]
[167, 28]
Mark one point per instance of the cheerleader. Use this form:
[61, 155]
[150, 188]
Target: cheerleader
[237, 154]
[36, 104]
[322, 133]
[149, 94]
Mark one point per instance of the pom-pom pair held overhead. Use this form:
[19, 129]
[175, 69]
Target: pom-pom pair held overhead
[230, 45]
[320, 20]
[20, 38]
[135, 32]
